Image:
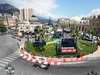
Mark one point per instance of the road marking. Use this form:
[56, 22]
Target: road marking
[6, 60]
[2, 65]
[10, 58]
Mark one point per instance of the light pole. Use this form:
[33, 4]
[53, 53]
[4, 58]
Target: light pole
[10, 69]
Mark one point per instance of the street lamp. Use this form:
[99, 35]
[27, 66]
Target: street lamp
[10, 69]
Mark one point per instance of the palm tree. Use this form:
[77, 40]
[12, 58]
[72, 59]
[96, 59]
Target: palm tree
[76, 32]
[63, 26]
[55, 28]
[38, 32]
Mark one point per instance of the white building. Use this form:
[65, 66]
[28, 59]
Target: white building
[27, 26]
[25, 14]
[85, 21]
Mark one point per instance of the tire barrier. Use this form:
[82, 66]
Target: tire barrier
[44, 60]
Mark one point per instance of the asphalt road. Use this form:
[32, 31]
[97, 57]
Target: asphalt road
[23, 67]
[7, 45]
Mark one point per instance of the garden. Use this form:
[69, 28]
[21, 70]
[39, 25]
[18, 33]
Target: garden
[48, 45]
[50, 49]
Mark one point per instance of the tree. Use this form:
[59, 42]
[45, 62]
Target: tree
[3, 28]
[77, 32]
[37, 30]
[62, 24]
[39, 33]
[55, 27]
[92, 31]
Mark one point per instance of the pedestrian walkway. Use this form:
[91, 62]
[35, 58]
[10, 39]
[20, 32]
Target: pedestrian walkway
[97, 52]
[10, 58]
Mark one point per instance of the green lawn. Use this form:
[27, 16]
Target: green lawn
[29, 47]
[86, 46]
[49, 50]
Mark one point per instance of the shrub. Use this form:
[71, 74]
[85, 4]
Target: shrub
[50, 50]
[3, 28]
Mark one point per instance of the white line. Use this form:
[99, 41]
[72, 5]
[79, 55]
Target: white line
[3, 62]
[2, 65]
[11, 58]
[13, 54]
[6, 60]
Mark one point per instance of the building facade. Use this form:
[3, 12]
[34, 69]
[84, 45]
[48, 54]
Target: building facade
[8, 20]
[29, 26]
[82, 25]
[95, 24]
[25, 14]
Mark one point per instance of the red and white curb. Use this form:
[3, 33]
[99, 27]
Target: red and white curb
[52, 61]
[25, 55]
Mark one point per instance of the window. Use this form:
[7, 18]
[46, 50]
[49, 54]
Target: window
[26, 27]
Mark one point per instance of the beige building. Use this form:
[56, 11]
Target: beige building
[8, 21]
[26, 26]
[82, 25]
[25, 14]
[95, 23]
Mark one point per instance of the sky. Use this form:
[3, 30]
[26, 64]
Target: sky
[76, 7]
[59, 8]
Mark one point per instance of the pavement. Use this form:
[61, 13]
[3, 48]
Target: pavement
[8, 51]
[95, 55]
[8, 45]
[97, 52]
[10, 58]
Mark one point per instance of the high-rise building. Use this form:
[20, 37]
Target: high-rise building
[25, 14]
